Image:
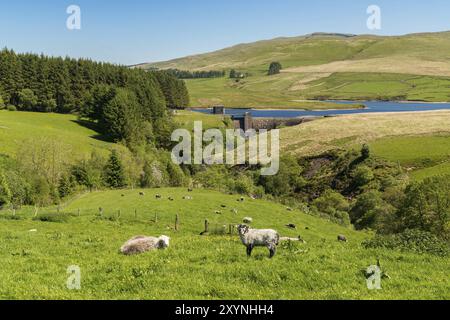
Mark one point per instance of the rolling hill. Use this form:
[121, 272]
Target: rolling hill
[318, 66]
[197, 267]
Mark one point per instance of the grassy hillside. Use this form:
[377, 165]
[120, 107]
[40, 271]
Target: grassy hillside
[418, 141]
[410, 67]
[17, 128]
[196, 267]
[423, 156]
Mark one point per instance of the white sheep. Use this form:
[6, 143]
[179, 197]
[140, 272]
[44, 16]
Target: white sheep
[247, 220]
[141, 244]
[259, 238]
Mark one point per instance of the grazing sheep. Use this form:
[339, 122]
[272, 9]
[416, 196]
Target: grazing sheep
[299, 239]
[141, 244]
[190, 190]
[171, 199]
[342, 238]
[158, 196]
[142, 193]
[291, 226]
[259, 238]
[122, 195]
[241, 199]
[223, 206]
[187, 198]
[289, 209]
[217, 212]
[247, 220]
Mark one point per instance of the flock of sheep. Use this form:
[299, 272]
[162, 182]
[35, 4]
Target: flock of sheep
[250, 238]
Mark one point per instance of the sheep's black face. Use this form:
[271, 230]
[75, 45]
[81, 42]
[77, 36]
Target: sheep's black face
[243, 229]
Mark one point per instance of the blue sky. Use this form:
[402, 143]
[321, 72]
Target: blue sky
[135, 31]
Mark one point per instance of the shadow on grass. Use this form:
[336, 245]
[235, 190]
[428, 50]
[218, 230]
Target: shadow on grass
[94, 127]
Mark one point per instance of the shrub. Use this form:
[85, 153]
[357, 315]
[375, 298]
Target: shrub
[5, 192]
[2, 103]
[427, 207]
[274, 68]
[370, 211]
[11, 108]
[243, 185]
[365, 152]
[52, 217]
[410, 240]
[27, 99]
[152, 176]
[9, 216]
[362, 176]
[49, 105]
[334, 205]
[287, 181]
[176, 175]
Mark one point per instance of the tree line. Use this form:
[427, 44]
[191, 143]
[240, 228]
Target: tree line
[184, 74]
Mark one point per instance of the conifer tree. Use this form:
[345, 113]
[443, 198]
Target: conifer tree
[114, 172]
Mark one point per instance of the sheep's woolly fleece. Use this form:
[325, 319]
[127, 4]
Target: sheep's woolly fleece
[142, 244]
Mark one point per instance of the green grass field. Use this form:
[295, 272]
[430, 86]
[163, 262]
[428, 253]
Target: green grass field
[414, 151]
[425, 156]
[17, 128]
[34, 264]
[379, 86]
[254, 92]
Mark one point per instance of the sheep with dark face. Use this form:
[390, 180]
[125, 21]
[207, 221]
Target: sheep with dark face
[259, 238]
[142, 244]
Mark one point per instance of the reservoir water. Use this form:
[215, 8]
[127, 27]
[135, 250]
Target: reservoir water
[371, 107]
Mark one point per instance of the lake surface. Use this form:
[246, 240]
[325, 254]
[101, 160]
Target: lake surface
[372, 107]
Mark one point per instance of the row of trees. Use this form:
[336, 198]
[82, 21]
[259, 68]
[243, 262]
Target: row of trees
[184, 74]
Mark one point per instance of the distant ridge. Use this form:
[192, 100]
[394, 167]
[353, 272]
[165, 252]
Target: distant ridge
[299, 51]
[323, 66]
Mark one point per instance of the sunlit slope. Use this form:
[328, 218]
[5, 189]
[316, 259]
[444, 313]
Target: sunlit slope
[20, 128]
[324, 66]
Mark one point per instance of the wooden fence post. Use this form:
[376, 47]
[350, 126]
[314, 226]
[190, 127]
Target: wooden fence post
[79, 212]
[135, 213]
[119, 213]
[177, 222]
[156, 217]
[206, 226]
